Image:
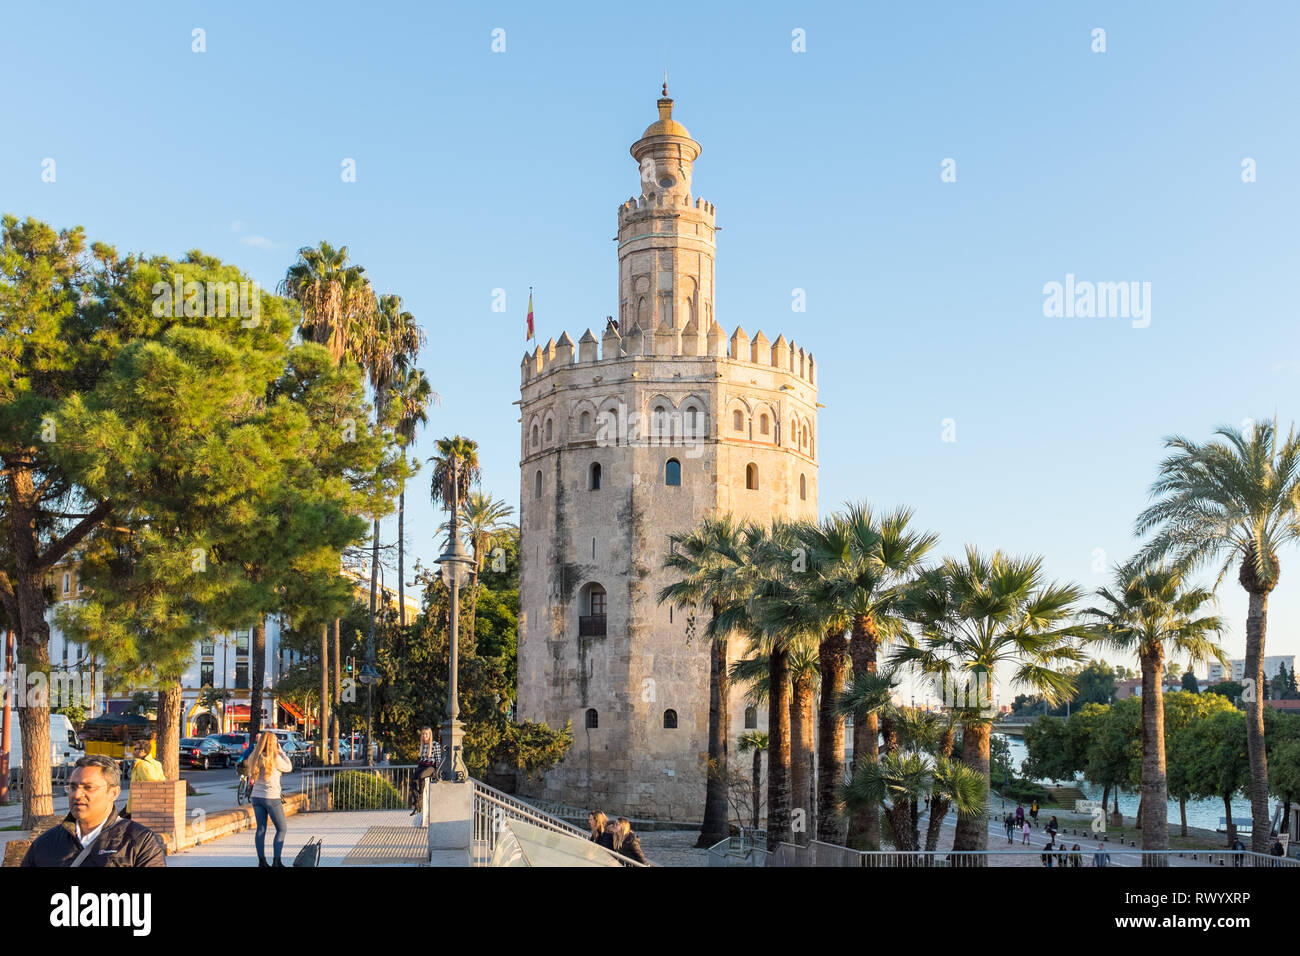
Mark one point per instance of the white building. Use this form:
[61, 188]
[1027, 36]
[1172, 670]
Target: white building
[1237, 668]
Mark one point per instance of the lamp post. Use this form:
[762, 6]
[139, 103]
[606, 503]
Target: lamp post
[453, 569]
[370, 677]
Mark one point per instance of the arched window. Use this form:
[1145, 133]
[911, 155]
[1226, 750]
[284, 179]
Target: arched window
[585, 422]
[670, 720]
[537, 484]
[803, 440]
[751, 476]
[737, 421]
[661, 424]
[550, 430]
[751, 717]
[535, 435]
[673, 472]
[762, 424]
[803, 487]
[593, 483]
[692, 420]
[591, 611]
[593, 718]
[687, 312]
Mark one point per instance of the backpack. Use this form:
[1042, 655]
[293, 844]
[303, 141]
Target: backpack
[309, 855]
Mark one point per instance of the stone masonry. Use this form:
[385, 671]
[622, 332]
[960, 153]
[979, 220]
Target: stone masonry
[626, 439]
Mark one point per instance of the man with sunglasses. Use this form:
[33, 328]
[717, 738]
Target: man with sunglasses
[93, 834]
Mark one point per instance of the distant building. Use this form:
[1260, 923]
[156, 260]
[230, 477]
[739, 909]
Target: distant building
[1237, 668]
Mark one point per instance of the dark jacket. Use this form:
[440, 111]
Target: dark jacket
[631, 848]
[606, 839]
[120, 843]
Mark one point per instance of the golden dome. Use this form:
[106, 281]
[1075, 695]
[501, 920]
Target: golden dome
[666, 125]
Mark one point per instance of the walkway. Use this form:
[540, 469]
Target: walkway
[357, 838]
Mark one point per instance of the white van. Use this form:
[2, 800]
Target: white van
[64, 747]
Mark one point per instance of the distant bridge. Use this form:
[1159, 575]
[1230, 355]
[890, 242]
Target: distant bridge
[1015, 727]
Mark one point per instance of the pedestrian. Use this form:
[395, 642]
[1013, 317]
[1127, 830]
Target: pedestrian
[598, 822]
[1101, 857]
[265, 765]
[1076, 857]
[1024, 828]
[427, 764]
[145, 769]
[1063, 856]
[1053, 825]
[1020, 815]
[1276, 849]
[1009, 822]
[1048, 855]
[1239, 857]
[1033, 812]
[94, 833]
[627, 843]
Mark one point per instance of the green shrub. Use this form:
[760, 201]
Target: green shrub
[364, 790]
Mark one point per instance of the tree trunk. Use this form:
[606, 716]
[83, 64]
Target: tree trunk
[401, 554]
[1256, 626]
[801, 736]
[257, 677]
[1105, 799]
[972, 830]
[938, 805]
[374, 578]
[323, 750]
[833, 658]
[1182, 813]
[169, 730]
[778, 750]
[888, 735]
[1155, 791]
[5, 757]
[715, 826]
[758, 784]
[864, 826]
[338, 696]
[1227, 815]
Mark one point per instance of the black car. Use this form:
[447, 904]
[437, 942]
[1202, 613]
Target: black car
[234, 744]
[203, 752]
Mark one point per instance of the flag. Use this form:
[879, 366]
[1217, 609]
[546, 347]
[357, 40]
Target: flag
[530, 315]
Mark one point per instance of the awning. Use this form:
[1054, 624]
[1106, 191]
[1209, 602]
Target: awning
[294, 712]
[237, 710]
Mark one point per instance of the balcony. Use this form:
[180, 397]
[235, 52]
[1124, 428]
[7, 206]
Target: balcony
[591, 625]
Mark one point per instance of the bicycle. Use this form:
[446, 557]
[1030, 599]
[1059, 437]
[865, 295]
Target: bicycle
[244, 792]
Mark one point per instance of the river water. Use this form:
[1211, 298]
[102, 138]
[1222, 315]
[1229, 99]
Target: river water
[1200, 813]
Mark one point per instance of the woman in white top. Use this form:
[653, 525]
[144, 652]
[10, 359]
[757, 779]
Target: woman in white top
[265, 764]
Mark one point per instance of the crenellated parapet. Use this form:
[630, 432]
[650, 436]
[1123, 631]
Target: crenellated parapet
[691, 341]
[659, 202]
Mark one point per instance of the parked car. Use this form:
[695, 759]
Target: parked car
[296, 752]
[232, 744]
[203, 752]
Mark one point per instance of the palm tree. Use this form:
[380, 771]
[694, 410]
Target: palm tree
[901, 778]
[1237, 499]
[388, 351]
[862, 564]
[713, 563]
[455, 466]
[978, 612]
[411, 394]
[755, 671]
[1152, 614]
[337, 302]
[485, 525]
[755, 742]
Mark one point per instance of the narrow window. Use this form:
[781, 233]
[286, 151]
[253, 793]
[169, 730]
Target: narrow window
[751, 476]
[593, 547]
[751, 718]
[670, 614]
[67, 583]
[673, 472]
[762, 424]
[550, 429]
[534, 436]
[691, 421]
[738, 421]
[593, 719]
[670, 720]
[585, 425]
[537, 485]
[594, 483]
[803, 487]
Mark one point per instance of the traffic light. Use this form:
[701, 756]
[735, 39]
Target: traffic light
[350, 663]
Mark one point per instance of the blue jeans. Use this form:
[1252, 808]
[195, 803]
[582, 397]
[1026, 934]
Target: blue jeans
[262, 808]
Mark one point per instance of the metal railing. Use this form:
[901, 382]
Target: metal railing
[818, 854]
[748, 848]
[357, 788]
[591, 625]
[492, 808]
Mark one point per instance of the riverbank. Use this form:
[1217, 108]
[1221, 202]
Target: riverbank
[1060, 803]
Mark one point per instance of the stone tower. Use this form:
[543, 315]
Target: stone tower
[626, 439]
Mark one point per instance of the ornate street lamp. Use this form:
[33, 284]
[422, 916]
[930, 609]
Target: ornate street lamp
[454, 570]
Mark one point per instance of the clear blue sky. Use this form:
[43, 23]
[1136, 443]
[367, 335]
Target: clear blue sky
[479, 170]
